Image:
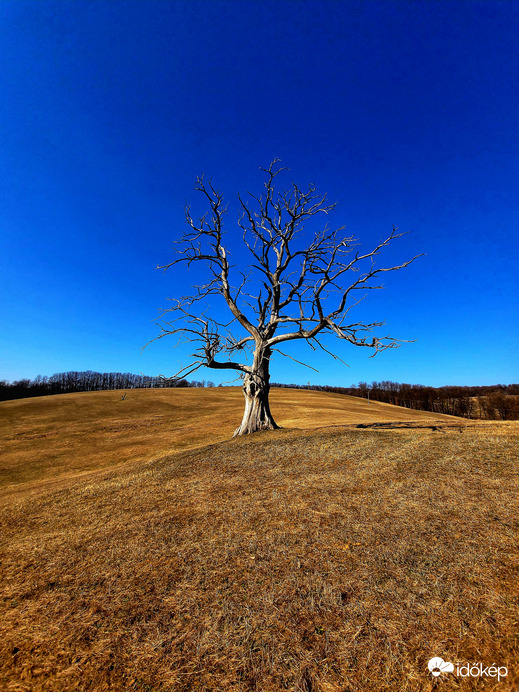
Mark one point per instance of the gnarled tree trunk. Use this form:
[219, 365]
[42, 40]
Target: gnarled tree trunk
[256, 387]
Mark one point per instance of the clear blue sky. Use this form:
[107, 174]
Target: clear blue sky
[405, 113]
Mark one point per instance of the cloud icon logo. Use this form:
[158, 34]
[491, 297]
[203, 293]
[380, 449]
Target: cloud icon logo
[437, 665]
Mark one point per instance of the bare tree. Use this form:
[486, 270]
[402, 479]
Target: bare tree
[293, 289]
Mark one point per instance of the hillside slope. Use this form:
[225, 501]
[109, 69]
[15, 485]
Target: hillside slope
[326, 560]
[48, 441]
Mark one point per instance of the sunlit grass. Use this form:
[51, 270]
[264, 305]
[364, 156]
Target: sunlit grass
[48, 441]
[316, 560]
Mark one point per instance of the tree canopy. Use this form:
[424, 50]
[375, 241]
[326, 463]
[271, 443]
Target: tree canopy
[294, 288]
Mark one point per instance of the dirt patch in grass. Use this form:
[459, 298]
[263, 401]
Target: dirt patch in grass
[316, 561]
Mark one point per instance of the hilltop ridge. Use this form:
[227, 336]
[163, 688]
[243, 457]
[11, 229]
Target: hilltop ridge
[55, 439]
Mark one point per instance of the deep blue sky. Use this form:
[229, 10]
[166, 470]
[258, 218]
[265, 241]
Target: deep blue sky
[405, 113]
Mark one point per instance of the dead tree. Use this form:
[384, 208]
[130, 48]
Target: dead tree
[292, 289]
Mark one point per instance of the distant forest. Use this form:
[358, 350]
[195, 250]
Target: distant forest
[496, 402]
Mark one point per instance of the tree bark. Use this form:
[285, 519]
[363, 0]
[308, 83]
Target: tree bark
[256, 388]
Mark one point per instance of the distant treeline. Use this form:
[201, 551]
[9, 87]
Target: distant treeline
[496, 402]
[89, 381]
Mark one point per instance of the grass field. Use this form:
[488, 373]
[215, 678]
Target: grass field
[47, 442]
[145, 550]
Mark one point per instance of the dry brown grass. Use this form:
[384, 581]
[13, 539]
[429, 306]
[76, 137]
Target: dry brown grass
[317, 560]
[47, 442]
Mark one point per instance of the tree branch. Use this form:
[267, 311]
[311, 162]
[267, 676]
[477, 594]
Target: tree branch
[295, 288]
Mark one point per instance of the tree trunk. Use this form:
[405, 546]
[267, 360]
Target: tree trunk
[256, 387]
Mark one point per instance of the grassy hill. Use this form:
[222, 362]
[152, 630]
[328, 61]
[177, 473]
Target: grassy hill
[145, 550]
[50, 441]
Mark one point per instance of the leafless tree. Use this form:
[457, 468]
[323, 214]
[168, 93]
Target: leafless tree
[293, 289]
